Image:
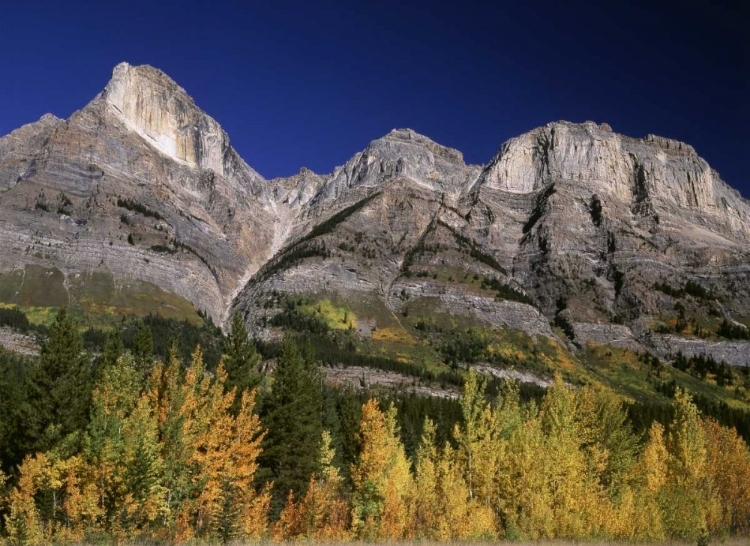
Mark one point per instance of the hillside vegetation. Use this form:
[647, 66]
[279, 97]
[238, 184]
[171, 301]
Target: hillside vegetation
[131, 446]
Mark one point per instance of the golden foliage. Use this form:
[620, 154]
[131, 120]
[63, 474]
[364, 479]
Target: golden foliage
[381, 478]
[170, 461]
[323, 514]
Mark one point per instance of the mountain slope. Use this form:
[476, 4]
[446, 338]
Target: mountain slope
[571, 233]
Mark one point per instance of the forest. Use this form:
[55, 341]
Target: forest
[174, 436]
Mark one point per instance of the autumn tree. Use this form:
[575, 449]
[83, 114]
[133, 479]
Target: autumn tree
[688, 510]
[728, 468]
[381, 478]
[476, 438]
[442, 508]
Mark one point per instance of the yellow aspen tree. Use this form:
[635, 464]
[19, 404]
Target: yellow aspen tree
[82, 514]
[525, 500]
[462, 518]
[577, 499]
[23, 522]
[427, 508]
[640, 517]
[220, 453]
[381, 478]
[478, 452]
[686, 507]
[728, 468]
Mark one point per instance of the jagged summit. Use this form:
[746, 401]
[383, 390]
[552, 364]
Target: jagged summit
[142, 186]
[152, 105]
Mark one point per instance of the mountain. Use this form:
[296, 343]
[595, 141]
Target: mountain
[571, 237]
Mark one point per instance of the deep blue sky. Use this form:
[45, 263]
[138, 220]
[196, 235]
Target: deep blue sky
[311, 83]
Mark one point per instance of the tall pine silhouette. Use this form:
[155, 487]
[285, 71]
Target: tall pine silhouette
[61, 383]
[292, 419]
[241, 360]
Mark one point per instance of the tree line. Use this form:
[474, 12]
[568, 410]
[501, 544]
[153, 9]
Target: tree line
[129, 446]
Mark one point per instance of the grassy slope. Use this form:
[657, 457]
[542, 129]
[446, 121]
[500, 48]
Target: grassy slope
[96, 297]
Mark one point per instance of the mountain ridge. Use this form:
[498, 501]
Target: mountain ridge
[566, 211]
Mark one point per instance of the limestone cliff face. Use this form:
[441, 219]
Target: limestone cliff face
[140, 184]
[164, 115]
[581, 222]
[646, 174]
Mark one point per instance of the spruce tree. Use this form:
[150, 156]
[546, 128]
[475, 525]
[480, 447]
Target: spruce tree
[292, 419]
[241, 359]
[113, 349]
[61, 383]
[143, 348]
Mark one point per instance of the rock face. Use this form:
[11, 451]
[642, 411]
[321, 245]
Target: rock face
[613, 236]
[139, 184]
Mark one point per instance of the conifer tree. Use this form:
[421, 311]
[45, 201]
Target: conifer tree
[61, 383]
[113, 348]
[143, 347]
[323, 513]
[241, 359]
[292, 418]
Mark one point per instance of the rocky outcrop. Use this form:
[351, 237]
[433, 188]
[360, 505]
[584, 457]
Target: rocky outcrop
[734, 353]
[140, 184]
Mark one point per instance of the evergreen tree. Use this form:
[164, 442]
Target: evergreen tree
[61, 383]
[292, 417]
[113, 349]
[241, 360]
[143, 348]
[16, 414]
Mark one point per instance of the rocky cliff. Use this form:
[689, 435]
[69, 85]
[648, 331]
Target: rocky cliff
[570, 225]
[141, 185]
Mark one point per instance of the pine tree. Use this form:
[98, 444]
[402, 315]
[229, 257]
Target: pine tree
[241, 359]
[143, 348]
[61, 383]
[292, 417]
[113, 349]
[323, 513]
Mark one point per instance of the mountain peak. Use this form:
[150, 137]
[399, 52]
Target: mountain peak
[152, 105]
[410, 136]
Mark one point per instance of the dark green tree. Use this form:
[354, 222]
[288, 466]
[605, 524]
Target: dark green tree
[113, 348]
[61, 383]
[16, 415]
[143, 347]
[241, 359]
[292, 418]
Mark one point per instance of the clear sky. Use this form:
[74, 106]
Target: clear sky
[306, 83]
